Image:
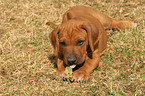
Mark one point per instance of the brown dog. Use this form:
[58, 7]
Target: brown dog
[80, 40]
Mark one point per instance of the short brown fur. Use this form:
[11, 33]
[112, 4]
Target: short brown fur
[85, 25]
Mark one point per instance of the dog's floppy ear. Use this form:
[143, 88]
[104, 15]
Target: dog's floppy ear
[67, 16]
[93, 34]
[53, 37]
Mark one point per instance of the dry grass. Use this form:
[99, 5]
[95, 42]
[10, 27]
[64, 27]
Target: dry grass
[26, 66]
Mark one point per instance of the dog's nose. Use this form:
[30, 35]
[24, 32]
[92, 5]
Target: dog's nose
[71, 60]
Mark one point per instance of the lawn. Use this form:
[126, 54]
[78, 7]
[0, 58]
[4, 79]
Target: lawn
[26, 56]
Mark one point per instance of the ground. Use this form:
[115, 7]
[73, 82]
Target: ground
[26, 56]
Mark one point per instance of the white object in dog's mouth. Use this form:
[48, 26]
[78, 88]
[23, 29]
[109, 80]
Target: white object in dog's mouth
[72, 66]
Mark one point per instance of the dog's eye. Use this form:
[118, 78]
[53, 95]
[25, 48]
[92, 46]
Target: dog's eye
[79, 43]
[62, 44]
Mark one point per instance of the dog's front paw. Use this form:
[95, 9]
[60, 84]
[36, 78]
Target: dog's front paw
[80, 76]
[58, 75]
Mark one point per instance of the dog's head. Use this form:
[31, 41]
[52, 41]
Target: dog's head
[73, 41]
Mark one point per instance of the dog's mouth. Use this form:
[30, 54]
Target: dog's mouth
[73, 66]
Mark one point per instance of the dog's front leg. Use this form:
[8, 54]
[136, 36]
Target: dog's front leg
[60, 69]
[82, 74]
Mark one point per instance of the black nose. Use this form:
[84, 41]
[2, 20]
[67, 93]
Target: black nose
[71, 60]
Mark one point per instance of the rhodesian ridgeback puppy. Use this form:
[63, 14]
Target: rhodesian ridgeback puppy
[80, 40]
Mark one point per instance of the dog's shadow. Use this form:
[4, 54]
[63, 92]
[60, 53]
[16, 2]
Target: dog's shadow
[52, 59]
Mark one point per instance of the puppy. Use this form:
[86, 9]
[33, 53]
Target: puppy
[80, 40]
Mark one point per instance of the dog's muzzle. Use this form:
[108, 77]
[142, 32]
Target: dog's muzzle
[71, 59]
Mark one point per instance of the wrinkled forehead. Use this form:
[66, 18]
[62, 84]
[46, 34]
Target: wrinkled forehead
[72, 34]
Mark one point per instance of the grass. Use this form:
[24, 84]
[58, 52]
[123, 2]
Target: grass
[26, 63]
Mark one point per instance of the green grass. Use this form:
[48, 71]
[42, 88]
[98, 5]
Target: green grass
[26, 63]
